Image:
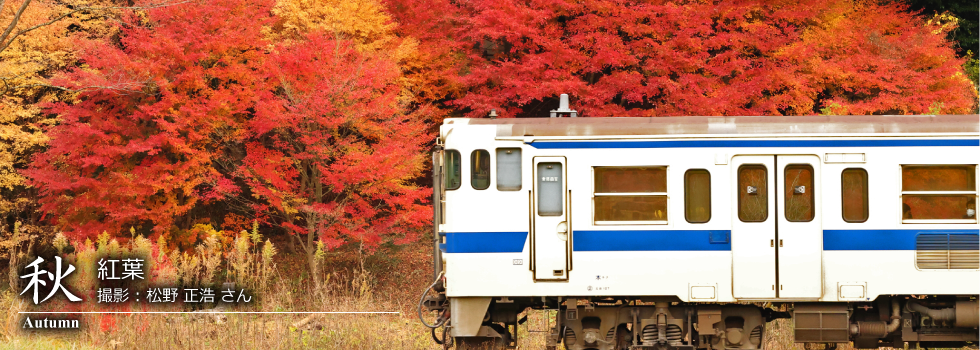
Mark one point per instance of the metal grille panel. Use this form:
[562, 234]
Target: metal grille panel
[964, 251]
[947, 251]
[820, 323]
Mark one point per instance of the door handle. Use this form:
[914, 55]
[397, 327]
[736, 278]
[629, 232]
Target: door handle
[772, 243]
[563, 231]
[780, 243]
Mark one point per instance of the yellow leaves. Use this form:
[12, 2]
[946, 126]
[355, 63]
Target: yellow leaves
[942, 23]
[18, 138]
[834, 109]
[972, 69]
[25, 68]
[368, 25]
[362, 21]
[43, 50]
[21, 64]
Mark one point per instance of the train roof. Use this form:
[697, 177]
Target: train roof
[862, 124]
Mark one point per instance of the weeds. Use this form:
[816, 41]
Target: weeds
[353, 283]
[14, 248]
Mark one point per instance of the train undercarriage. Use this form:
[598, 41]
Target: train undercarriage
[623, 323]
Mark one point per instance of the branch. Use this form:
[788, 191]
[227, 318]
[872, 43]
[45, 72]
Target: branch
[121, 88]
[5, 41]
[13, 23]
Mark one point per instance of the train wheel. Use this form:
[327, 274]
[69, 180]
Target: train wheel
[623, 337]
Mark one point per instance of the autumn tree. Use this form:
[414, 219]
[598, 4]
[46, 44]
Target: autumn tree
[35, 43]
[428, 72]
[966, 13]
[361, 22]
[332, 150]
[867, 58]
[741, 57]
[968, 34]
[343, 144]
[146, 143]
[201, 109]
[432, 71]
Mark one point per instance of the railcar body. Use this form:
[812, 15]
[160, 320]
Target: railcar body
[662, 233]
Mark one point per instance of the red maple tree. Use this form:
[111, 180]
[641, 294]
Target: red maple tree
[193, 112]
[153, 116]
[332, 150]
[739, 57]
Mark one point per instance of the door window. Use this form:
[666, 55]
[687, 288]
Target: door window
[753, 194]
[799, 202]
[550, 190]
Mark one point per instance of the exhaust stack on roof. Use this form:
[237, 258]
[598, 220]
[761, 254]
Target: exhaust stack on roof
[563, 108]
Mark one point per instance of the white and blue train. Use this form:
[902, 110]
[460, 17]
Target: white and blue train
[694, 232]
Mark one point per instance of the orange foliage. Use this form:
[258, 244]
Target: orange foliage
[737, 57]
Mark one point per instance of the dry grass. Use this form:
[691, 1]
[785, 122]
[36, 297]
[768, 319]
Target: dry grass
[390, 280]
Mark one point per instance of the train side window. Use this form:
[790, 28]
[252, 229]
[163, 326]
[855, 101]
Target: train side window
[509, 169]
[480, 169]
[799, 202]
[697, 196]
[753, 194]
[630, 195]
[939, 194]
[854, 194]
[454, 176]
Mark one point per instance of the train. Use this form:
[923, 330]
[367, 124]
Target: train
[698, 232]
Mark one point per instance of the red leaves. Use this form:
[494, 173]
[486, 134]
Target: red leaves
[350, 148]
[194, 103]
[138, 147]
[715, 58]
[194, 114]
[868, 59]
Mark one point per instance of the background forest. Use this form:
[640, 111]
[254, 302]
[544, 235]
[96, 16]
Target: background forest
[236, 129]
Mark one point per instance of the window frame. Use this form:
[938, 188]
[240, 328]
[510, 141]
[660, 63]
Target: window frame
[813, 191]
[563, 186]
[664, 194]
[473, 169]
[520, 165]
[903, 193]
[687, 196]
[867, 200]
[738, 189]
[459, 159]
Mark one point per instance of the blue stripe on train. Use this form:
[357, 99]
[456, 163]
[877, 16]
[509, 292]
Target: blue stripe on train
[685, 240]
[881, 239]
[749, 143]
[485, 242]
[652, 240]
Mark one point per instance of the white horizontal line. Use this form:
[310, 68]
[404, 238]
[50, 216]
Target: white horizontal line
[208, 312]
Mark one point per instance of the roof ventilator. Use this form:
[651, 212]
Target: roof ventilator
[563, 109]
